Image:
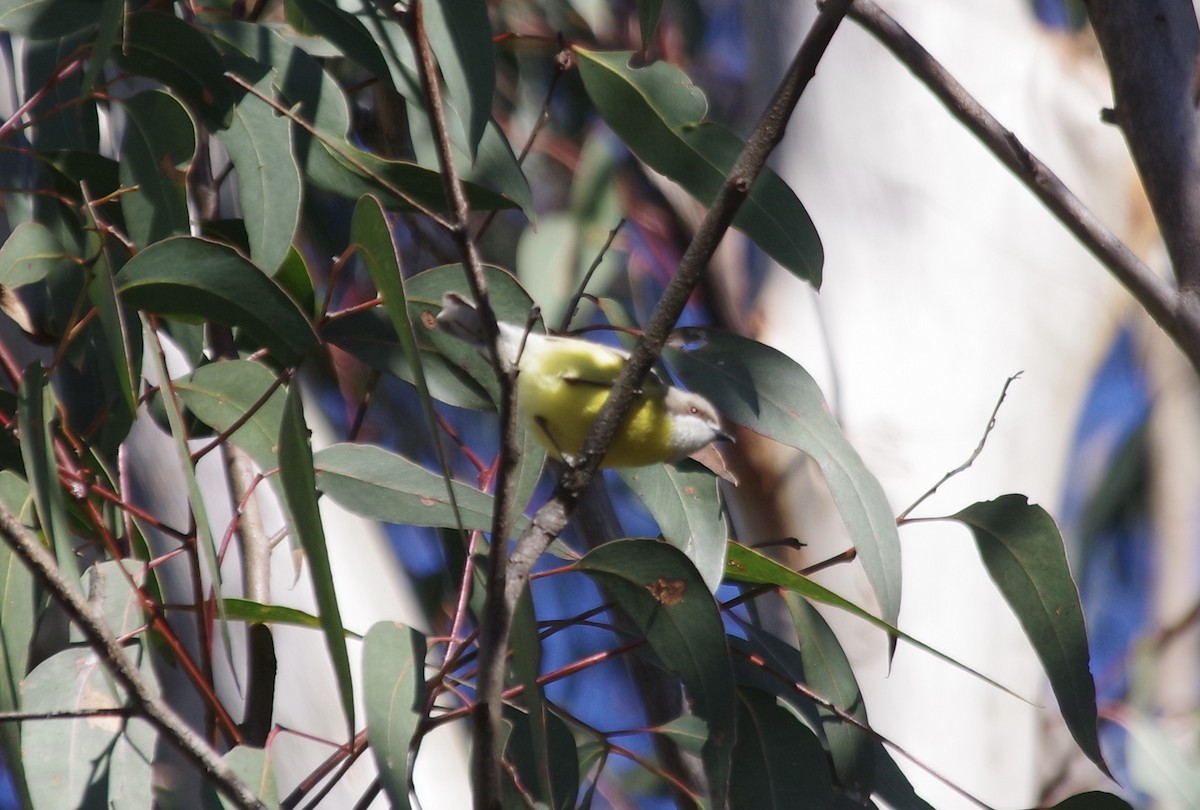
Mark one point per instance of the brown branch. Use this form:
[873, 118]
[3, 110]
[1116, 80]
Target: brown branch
[1177, 315]
[41, 564]
[1151, 48]
[496, 621]
[507, 582]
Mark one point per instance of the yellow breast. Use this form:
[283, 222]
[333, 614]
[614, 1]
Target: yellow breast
[561, 388]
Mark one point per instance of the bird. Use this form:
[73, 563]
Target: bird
[563, 382]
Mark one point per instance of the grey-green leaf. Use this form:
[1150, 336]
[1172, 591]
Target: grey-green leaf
[685, 502]
[394, 694]
[1024, 555]
[300, 497]
[259, 144]
[658, 112]
[769, 393]
[158, 145]
[776, 759]
[382, 485]
[195, 279]
[668, 600]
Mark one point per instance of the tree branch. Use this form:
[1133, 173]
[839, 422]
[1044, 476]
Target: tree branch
[1178, 315]
[41, 563]
[1151, 48]
[552, 518]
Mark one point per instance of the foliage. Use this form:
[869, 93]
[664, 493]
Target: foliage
[176, 181]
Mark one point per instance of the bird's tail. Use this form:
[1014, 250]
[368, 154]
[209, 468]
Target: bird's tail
[461, 319]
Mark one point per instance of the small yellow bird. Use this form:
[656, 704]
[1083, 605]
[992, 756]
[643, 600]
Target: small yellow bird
[563, 382]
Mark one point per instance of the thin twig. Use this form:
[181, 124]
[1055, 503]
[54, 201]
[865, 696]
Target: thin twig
[1160, 300]
[42, 565]
[496, 621]
[569, 315]
[970, 459]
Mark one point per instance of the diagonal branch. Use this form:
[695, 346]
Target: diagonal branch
[41, 563]
[552, 518]
[1178, 315]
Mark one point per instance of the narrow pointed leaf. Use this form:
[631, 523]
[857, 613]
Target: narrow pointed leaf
[745, 565]
[828, 673]
[1024, 555]
[767, 392]
[382, 485]
[394, 694]
[268, 179]
[221, 394]
[158, 145]
[685, 502]
[461, 37]
[35, 412]
[253, 766]
[667, 599]
[30, 253]
[195, 279]
[776, 759]
[300, 497]
[658, 113]
[17, 617]
[648, 13]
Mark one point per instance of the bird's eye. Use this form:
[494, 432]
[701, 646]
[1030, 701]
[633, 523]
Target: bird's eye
[694, 409]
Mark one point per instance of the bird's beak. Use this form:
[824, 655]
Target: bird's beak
[725, 436]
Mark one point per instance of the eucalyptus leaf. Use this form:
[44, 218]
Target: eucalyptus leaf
[668, 600]
[767, 392]
[394, 694]
[1023, 553]
[658, 112]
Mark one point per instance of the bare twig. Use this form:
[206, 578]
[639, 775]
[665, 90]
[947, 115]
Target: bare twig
[1177, 315]
[569, 315]
[495, 623]
[41, 564]
[970, 459]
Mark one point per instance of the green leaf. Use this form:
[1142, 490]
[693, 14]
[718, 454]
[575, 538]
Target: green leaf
[17, 617]
[685, 502]
[118, 343]
[767, 392]
[260, 147]
[828, 673]
[1097, 800]
[221, 394]
[687, 731]
[658, 113]
[776, 758]
[648, 13]
[1023, 553]
[112, 19]
[29, 254]
[164, 47]
[381, 485]
[194, 279]
[35, 412]
[300, 497]
[253, 766]
[394, 695]
[745, 565]
[46, 19]
[461, 37]
[109, 588]
[561, 776]
[348, 33]
[893, 786]
[243, 610]
[532, 748]
[668, 600]
[85, 761]
[370, 337]
[156, 150]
